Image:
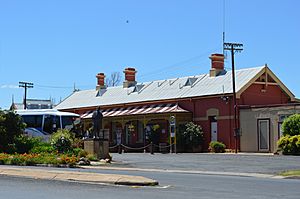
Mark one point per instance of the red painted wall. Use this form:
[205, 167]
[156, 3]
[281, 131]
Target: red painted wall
[254, 95]
[199, 108]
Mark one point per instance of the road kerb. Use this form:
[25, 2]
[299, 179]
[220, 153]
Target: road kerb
[77, 176]
[221, 173]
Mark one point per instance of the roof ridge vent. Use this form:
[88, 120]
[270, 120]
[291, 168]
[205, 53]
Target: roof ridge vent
[172, 82]
[161, 83]
[145, 86]
[181, 86]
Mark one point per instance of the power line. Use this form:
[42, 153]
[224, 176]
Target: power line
[61, 87]
[46, 86]
[176, 65]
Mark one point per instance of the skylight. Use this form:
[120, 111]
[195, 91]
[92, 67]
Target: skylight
[138, 88]
[190, 81]
[100, 92]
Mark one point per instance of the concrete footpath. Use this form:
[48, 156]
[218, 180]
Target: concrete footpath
[76, 176]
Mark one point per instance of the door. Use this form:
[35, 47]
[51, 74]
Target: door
[263, 135]
[214, 131]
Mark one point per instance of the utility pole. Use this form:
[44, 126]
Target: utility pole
[234, 47]
[25, 85]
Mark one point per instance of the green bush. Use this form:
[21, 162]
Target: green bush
[92, 157]
[217, 147]
[10, 149]
[43, 147]
[62, 140]
[289, 145]
[16, 161]
[193, 134]
[77, 143]
[24, 144]
[188, 136]
[79, 152]
[11, 126]
[34, 159]
[291, 125]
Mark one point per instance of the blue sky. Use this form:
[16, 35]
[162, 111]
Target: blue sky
[57, 43]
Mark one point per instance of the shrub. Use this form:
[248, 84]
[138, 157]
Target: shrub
[77, 143]
[34, 159]
[62, 140]
[92, 157]
[291, 125]
[11, 126]
[79, 152]
[24, 144]
[193, 134]
[188, 136]
[69, 160]
[217, 147]
[43, 148]
[10, 149]
[289, 145]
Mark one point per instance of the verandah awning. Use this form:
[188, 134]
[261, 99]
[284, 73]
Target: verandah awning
[138, 110]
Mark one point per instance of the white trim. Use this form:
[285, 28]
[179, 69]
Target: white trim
[268, 135]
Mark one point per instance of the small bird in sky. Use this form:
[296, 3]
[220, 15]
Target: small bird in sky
[127, 21]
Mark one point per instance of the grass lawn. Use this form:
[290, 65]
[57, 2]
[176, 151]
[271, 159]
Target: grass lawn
[291, 173]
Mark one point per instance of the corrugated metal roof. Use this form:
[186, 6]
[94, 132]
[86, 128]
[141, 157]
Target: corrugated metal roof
[204, 85]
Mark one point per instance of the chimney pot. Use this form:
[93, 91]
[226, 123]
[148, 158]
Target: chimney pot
[100, 81]
[217, 64]
[129, 77]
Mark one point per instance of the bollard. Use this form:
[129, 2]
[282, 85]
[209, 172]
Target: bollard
[120, 149]
[151, 148]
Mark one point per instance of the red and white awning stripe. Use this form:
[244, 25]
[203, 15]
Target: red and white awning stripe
[138, 110]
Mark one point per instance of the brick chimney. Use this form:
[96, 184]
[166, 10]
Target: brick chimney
[217, 64]
[100, 81]
[129, 77]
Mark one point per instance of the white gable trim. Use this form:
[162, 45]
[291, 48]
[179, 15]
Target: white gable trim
[274, 77]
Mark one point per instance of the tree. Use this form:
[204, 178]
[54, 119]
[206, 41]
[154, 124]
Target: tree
[11, 126]
[193, 134]
[291, 125]
[189, 136]
[113, 80]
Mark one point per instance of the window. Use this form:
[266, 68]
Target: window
[190, 81]
[51, 123]
[33, 121]
[67, 122]
[138, 88]
[281, 118]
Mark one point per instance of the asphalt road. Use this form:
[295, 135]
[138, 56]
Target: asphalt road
[173, 186]
[240, 163]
